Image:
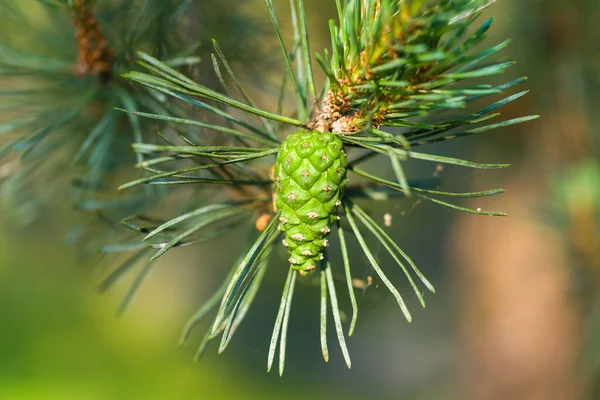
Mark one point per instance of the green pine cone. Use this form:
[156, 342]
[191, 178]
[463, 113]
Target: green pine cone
[310, 178]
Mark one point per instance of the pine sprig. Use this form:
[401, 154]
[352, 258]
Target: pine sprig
[399, 75]
[61, 100]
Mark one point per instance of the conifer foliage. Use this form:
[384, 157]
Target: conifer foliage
[63, 85]
[400, 74]
[407, 65]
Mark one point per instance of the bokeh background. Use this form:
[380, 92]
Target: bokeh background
[515, 316]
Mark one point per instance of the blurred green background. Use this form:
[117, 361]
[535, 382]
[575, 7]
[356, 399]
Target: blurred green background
[515, 311]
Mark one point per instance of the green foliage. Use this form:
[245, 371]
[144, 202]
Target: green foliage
[408, 66]
[57, 109]
[59, 115]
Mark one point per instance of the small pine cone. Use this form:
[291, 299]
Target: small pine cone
[310, 178]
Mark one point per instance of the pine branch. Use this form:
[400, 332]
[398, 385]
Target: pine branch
[399, 75]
